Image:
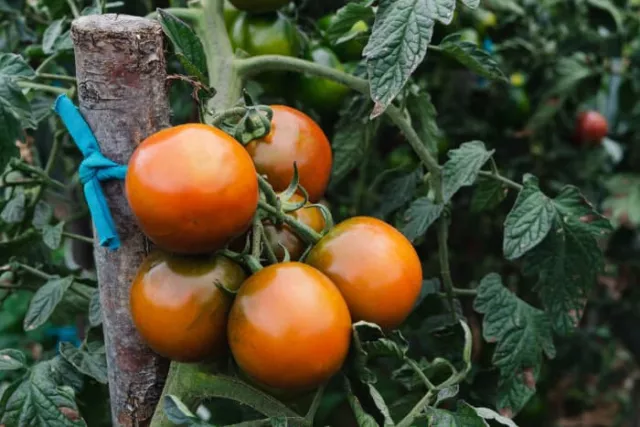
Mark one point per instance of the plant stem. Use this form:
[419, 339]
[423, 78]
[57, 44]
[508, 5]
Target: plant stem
[269, 194]
[421, 374]
[74, 8]
[460, 293]
[220, 67]
[315, 404]
[256, 237]
[62, 77]
[415, 412]
[247, 67]
[506, 181]
[33, 271]
[19, 165]
[191, 15]
[445, 269]
[271, 256]
[78, 237]
[44, 88]
[307, 233]
[26, 182]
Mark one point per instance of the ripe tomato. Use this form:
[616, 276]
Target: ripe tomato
[591, 127]
[289, 327]
[177, 307]
[375, 267]
[323, 95]
[259, 6]
[192, 188]
[285, 236]
[294, 137]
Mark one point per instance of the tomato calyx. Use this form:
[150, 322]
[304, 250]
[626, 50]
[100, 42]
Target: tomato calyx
[246, 121]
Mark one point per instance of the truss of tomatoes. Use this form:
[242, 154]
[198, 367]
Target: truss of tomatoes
[193, 190]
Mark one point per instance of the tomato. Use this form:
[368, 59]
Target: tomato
[289, 327]
[259, 6]
[177, 307]
[353, 45]
[484, 20]
[375, 267]
[591, 127]
[230, 14]
[470, 35]
[294, 137]
[271, 34]
[192, 188]
[323, 95]
[285, 236]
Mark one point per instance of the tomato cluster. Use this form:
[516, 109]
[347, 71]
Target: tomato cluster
[194, 190]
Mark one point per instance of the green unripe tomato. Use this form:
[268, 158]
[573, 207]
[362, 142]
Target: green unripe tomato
[259, 6]
[271, 34]
[470, 35]
[350, 49]
[323, 95]
[485, 20]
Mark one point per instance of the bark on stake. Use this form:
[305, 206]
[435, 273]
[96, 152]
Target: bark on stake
[121, 74]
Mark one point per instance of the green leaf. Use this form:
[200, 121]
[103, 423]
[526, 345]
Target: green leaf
[462, 168]
[187, 45]
[465, 416]
[14, 66]
[471, 56]
[398, 44]
[398, 192]
[39, 401]
[529, 221]
[14, 211]
[11, 360]
[45, 301]
[52, 34]
[15, 114]
[419, 217]
[570, 72]
[490, 414]
[346, 17]
[447, 393]
[624, 201]
[381, 405]
[522, 334]
[41, 107]
[423, 119]
[362, 417]
[610, 7]
[471, 4]
[42, 214]
[488, 194]
[279, 422]
[95, 309]
[92, 362]
[52, 235]
[350, 144]
[504, 5]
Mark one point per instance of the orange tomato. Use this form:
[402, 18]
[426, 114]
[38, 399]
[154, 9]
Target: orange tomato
[177, 307]
[289, 327]
[278, 235]
[294, 137]
[375, 267]
[192, 188]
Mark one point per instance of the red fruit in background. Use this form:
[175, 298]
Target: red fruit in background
[591, 127]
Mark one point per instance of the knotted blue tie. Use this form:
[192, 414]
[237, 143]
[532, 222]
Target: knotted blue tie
[93, 169]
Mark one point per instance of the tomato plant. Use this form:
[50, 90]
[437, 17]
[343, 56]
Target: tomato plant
[180, 306]
[199, 210]
[293, 316]
[259, 6]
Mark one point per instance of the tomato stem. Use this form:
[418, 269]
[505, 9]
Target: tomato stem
[307, 233]
[217, 119]
[44, 88]
[271, 255]
[506, 181]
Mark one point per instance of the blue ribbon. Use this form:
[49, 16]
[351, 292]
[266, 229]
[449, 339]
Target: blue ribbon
[93, 169]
